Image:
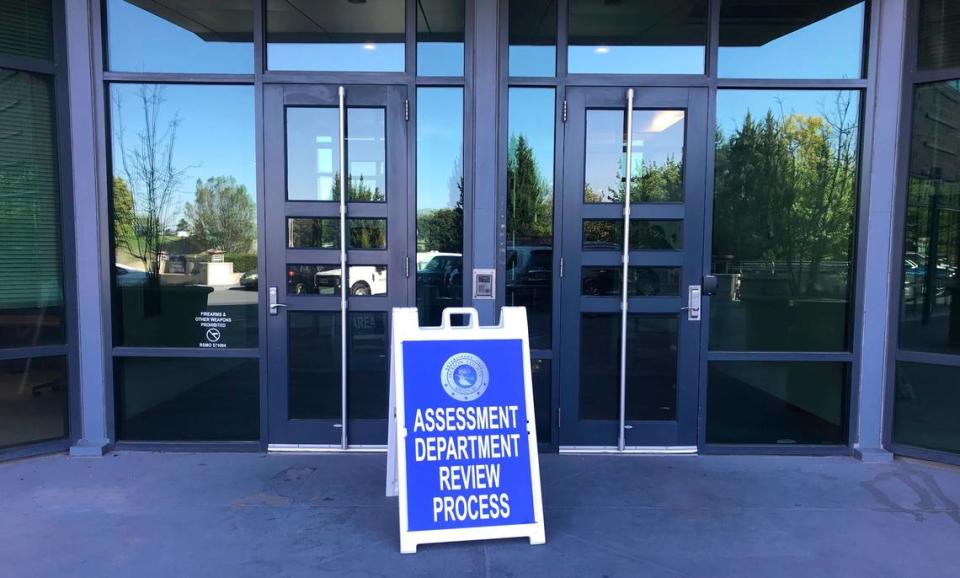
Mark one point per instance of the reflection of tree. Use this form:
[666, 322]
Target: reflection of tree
[785, 191]
[223, 215]
[442, 229]
[650, 183]
[360, 191]
[148, 172]
[529, 198]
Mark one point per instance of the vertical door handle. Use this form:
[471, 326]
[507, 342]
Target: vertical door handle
[694, 298]
[274, 305]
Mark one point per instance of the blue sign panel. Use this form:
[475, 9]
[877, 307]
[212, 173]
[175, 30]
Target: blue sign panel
[467, 450]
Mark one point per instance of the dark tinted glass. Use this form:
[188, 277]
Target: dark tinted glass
[31, 277]
[27, 28]
[930, 307]
[313, 362]
[313, 279]
[184, 215]
[643, 281]
[637, 37]
[336, 36]
[939, 43]
[607, 235]
[439, 201]
[440, 37]
[368, 383]
[313, 154]
[533, 37]
[542, 405]
[925, 414]
[657, 159]
[651, 367]
[187, 399]
[33, 400]
[753, 402]
[309, 233]
[529, 268]
[783, 220]
[180, 36]
[821, 39]
[367, 233]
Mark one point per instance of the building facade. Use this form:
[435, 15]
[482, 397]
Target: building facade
[733, 223]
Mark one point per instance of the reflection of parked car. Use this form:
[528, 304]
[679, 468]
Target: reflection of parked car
[441, 272]
[249, 280]
[529, 267]
[363, 279]
[128, 276]
[915, 275]
[300, 280]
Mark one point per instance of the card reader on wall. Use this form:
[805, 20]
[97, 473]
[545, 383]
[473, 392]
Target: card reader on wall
[484, 283]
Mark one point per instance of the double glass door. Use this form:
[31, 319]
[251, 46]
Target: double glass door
[630, 334]
[335, 263]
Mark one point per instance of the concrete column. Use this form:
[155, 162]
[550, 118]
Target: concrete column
[881, 181]
[85, 118]
[485, 232]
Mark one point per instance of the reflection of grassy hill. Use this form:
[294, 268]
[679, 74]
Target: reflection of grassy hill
[172, 244]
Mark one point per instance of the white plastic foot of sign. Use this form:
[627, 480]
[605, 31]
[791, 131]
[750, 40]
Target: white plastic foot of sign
[408, 547]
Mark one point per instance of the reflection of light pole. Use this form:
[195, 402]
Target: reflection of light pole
[933, 222]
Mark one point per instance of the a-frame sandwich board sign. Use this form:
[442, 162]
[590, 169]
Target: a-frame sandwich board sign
[462, 452]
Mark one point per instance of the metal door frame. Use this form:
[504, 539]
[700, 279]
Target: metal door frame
[282, 433]
[678, 436]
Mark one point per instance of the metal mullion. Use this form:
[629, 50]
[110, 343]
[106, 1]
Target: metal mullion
[666, 305]
[34, 351]
[794, 83]
[599, 259]
[440, 81]
[311, 209]
[625, 272]
[344, 193]
[312, 303]
[178, 78]
[662, 211]
[713, 38]
[936, 75]
[656, 258]
[27, 64]
[368, 210]
[335, 78]
[194, 352]
[533, 82]
[828, 356]
[644, 80]
[313, 256]
[369, 257]
[944, 359]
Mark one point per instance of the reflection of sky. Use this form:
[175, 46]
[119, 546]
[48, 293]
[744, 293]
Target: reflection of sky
[732, 105]
[531, 115]
[142, 42]
[354, 57]
[439, 146]
[215, 136]
[830, 48]
[636, 59]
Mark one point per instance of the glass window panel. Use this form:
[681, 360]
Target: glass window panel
[817, 39]
[542, 398]
[651, 367]
[31, 274]
[27, 28]
[184, 215]
[439, 201]
[366, 155]
[440, 25]
[313, 279]
[658, 144]
[777, 402]
[368, 383]
[643, 281]
[187, 399]
[313, 362]
[529, 259]
[925, 410]
[939, 43]
[637, 37]
[930, 309]
[367, 233]
[367, 280]
[784, 219]
[33, 400]
[533, 37]
[309, 233]
[180, 36]
[313, 153]
[645, 235]
[336, 36]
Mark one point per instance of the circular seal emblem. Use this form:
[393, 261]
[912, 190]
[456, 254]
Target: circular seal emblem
[464, 377]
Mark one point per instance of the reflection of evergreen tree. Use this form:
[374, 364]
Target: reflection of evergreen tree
[650, 183]
[785, 192]
[529, 198]
[442, 229]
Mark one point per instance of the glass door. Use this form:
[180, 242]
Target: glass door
[328, 331]
[628, 269]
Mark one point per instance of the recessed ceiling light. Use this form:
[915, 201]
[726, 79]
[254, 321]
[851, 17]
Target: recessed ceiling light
[369, 46]
[602, 49]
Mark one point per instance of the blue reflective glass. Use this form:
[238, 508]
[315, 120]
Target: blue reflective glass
[180, 36]
[440, 26]
[817, 39]
[533, 37]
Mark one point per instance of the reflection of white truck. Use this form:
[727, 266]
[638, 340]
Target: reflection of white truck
[363, 279]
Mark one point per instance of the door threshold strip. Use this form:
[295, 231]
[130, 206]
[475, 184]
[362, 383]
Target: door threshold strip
[324, 449]
[632, 450]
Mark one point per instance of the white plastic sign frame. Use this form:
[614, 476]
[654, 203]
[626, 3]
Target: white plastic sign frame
[405, 327]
